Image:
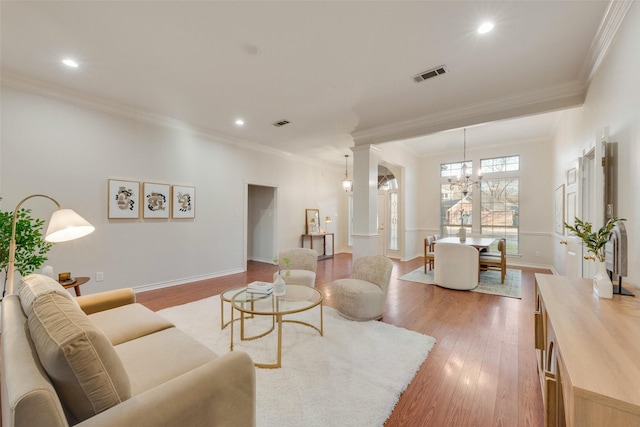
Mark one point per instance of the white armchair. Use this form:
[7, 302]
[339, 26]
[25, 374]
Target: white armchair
[303, 263]
[456, 266]
[363, 296]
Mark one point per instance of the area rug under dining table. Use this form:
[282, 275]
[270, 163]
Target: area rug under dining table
[489, 281]
[351, 376]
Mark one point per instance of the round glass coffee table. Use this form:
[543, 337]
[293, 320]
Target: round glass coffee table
[298, 298]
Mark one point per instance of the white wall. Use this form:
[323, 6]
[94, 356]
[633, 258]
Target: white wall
[613, 101]
[69, 152]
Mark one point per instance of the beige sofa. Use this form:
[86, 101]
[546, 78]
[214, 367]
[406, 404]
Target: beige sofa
[104, 360]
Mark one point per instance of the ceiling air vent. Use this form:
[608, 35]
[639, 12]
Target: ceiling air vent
[434, 72]
[281, 123]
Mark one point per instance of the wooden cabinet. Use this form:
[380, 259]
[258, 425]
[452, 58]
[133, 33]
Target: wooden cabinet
[587, 352]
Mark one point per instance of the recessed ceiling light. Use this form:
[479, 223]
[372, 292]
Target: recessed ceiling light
[485, 28]
[70, 63]
[239, 122]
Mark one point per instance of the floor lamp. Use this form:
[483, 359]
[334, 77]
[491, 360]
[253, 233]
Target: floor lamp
[64, 225]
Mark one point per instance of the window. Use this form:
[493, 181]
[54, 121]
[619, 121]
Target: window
[393, 220]
[456, 209]
[500, 164]
[499, 199]
[451, 170]
[499, 211]
[494, 207]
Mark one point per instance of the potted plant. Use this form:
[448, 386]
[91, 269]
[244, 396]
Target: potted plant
[31, 247]
[595, 242]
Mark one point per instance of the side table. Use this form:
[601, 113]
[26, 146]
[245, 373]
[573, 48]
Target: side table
[76, 285]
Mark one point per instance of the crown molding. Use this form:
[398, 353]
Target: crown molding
[70, 96]
[525, 103]
[609, 26]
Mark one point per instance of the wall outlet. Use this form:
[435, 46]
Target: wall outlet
[99, 276]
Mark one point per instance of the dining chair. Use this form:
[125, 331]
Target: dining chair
[429, 255]
[456, 266]
[496, 260]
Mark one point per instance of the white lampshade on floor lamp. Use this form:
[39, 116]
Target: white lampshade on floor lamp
[64, 225]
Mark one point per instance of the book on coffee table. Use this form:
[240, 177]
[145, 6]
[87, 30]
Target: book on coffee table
[265, 288]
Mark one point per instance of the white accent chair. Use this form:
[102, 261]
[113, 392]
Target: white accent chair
[303, 263]
[363, 296]
[456, 266]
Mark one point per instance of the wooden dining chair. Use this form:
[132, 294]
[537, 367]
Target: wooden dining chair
[496, 260]
[429, 252]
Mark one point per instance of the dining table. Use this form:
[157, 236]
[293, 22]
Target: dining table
[477, 242]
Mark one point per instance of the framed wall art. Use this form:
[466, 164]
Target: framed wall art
[156, 201]
[183, 201]
[312, 221]
[124, 199]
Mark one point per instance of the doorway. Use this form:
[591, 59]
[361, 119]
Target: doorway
[588, 202]
[261, 223]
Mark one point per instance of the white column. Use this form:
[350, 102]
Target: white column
[365, 200]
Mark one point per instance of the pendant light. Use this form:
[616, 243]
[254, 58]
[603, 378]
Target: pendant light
[346, 182]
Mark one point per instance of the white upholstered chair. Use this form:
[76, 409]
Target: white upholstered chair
[363, 296]
[303, 263]
[456, 266]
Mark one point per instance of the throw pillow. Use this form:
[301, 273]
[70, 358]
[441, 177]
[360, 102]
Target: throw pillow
[78, 358]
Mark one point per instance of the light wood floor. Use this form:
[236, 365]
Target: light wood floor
[482, 370]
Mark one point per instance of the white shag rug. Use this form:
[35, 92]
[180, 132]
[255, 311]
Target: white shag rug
[489, 281]
[352, 376]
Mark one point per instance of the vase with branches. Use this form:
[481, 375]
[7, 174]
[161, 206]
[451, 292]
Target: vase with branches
[279, 286]
[595, 242]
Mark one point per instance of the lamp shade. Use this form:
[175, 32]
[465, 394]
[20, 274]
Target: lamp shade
[66, 225]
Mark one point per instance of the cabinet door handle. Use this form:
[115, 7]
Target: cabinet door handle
[563, 242]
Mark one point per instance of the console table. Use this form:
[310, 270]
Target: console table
[324, 243]
[587, 354]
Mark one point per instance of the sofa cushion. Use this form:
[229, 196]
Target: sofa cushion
[78, 358]
[35, 285]
[128, 322]
[156, 358]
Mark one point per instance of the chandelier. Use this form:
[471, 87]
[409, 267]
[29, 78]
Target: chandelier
[464, 183]
[346, 182]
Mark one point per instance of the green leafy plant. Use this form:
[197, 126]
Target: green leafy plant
[31, 247]
[286, 263]
[593, 240]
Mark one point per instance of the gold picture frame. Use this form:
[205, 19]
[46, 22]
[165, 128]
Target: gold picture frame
[312, 221]
[124, 199]
[183, 202]
[157, 202]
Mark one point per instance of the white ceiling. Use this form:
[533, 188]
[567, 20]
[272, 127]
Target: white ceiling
[339, 71]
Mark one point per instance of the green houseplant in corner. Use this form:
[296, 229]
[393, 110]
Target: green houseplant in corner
[31, 247]
[595, 242]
